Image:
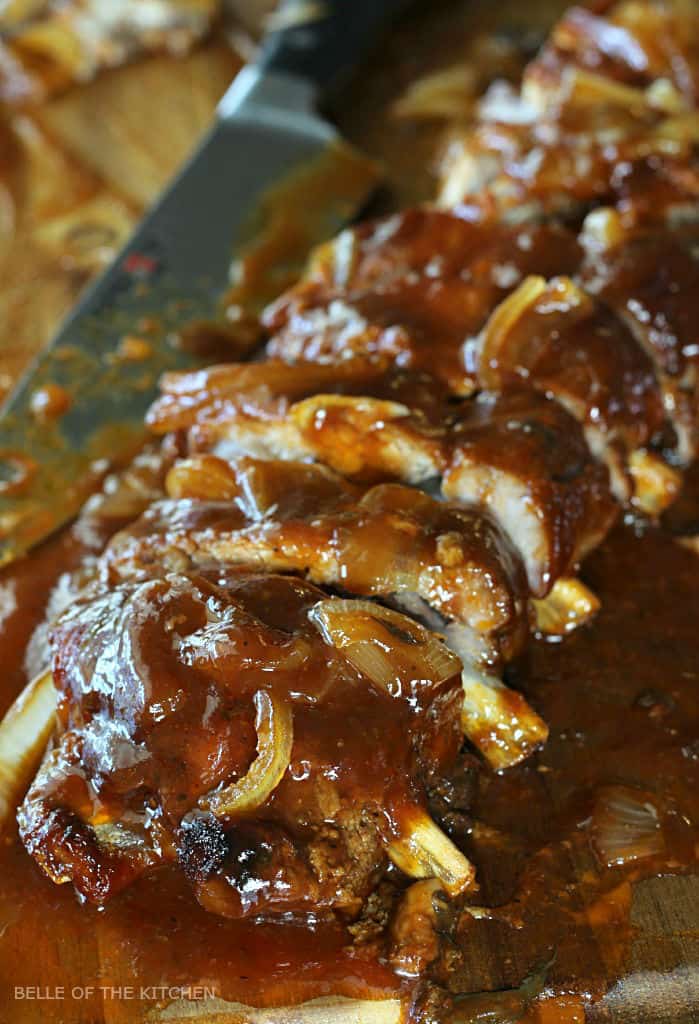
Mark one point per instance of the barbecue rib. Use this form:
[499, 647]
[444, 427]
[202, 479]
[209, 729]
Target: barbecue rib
[412, 289]
[454, 408]
[294, 517]
[517, 455]
[158, 715]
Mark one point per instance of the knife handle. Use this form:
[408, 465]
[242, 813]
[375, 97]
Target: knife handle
[326, 47]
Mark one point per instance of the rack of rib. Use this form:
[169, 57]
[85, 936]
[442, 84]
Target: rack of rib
[301, 626]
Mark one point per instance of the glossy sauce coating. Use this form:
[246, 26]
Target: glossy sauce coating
[553, 871]
[300, 518]
[651, 281]
[157, 684]
[411, 289]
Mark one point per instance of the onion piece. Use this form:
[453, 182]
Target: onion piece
[625, 826]
[356, 435]
[446, 94]
[275, 737]
[505, 316]
[507, 340]
[587, 89]
[690, 543]
[391, 649]
[204, 477]
[656, 484]
[24, 733]
[362, 412]
[569, 604]
[663, 95]
[426, 852]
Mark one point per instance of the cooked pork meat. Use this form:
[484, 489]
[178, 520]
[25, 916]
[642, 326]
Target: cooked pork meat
[411, 290]
[453, 407]
[631, 42]
[165, 688]
[518, 456]
[388, 541]
[650, 280]
[556, 338]
[605, 115]
[208, 396]
[524, 459]
[448, 567]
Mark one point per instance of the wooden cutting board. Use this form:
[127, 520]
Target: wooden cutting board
[79, 171]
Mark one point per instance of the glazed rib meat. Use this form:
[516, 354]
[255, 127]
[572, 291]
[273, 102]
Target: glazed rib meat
[387, 541]
[650, 278]
[518, 456]
[411, 290]
[162, 687]
[273, 669]
[450, 568]
[558, 339]
[552, 336]
[630, 42]
[606, 114]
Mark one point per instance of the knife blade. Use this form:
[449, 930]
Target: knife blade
[81, 405]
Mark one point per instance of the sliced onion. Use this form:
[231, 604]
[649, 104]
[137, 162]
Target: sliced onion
[588, 91]
[690, 543]
[204, 477]
[424, 851]
[569, 604]
[663, 95]
[447, 94]
[24, 733]
[275, 737]
[363, 413]
[391, 649]
[626, 826]
[503, 339]
[505, 317]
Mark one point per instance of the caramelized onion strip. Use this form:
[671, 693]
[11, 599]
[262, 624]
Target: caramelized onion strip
[389, 648]
[24, 733]
[424, 851]
[275, 737]
[626, 826]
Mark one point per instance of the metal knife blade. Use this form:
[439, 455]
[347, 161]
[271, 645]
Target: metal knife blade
[174, 269]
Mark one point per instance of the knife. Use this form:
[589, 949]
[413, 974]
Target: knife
[272, 176]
